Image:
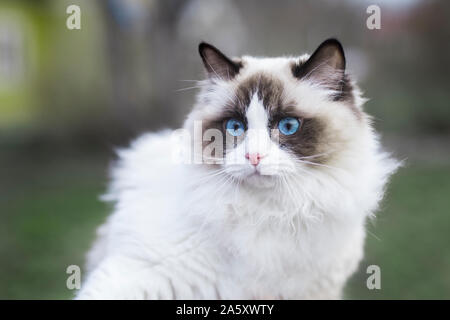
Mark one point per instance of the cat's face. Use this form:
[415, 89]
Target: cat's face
[278, 117]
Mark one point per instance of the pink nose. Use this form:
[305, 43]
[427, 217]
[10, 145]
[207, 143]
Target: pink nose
[254, 158]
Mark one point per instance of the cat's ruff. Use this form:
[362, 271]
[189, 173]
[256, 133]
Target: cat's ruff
[190, 231]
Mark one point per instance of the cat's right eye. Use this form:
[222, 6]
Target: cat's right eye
[288, 126]
[235, 127]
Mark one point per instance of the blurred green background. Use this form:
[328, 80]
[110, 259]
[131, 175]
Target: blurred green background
[69, 97]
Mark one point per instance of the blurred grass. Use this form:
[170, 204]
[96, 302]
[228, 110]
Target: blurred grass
[409, 238]
[50, 209]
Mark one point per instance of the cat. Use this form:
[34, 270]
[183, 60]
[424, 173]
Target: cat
[276, 210]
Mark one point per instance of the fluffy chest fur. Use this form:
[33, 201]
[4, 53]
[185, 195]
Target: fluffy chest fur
[222, 241]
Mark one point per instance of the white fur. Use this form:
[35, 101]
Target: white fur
[183, 231]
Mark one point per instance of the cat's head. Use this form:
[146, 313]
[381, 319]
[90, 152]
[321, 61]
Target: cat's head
[267, 118]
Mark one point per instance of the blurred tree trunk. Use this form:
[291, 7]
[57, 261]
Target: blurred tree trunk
[142, 52]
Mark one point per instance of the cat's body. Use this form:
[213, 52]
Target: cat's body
[287, 222]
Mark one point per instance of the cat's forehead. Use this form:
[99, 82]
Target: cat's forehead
[264, 78]
[262, 85]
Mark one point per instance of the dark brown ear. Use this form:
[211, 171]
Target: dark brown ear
[216, 63]
[326, 65]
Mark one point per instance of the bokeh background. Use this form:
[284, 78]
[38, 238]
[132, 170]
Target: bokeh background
[69, 97]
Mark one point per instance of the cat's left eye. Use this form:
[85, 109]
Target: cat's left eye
[235, 127]
[289, 125]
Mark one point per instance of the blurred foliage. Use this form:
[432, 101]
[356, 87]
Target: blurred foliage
[119, 74]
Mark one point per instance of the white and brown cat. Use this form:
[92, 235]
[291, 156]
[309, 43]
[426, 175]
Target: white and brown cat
[279, 211]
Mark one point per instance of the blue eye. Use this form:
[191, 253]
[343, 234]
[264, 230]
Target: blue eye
[235, 127]
[288, 125]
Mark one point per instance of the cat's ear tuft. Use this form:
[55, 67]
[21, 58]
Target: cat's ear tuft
[325, 66]
[216, 63]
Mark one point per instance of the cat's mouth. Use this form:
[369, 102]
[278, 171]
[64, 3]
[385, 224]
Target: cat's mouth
[255, 175]
[256, 171]
[259, 180]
